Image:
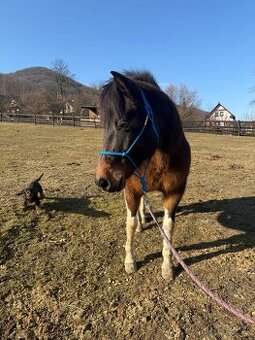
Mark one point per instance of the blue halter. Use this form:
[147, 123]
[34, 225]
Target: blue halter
[125, 154]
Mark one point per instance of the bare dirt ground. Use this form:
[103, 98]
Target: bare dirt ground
[61, 270]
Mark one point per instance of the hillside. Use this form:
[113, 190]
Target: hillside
[201, 114]
[40, 79]
[22, 84]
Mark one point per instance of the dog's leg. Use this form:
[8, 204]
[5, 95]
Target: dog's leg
[25, 205]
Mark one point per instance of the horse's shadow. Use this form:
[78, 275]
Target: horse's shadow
[234, 213]
[76, 205]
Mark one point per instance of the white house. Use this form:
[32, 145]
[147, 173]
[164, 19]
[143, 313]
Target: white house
[220, 113]
[69, 107]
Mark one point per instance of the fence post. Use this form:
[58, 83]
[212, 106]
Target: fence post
[1, 117]
[73, 121]
[35, 118]
[238, 128]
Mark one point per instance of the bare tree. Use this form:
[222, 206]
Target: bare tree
[97, 85]
[10, 89]
[250, 115]
[34, 101]
[3, 103]
[62, 76]
[186, 100]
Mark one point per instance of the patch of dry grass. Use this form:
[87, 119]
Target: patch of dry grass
[61, 270]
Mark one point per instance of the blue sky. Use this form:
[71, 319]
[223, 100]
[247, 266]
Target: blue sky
[208, 45]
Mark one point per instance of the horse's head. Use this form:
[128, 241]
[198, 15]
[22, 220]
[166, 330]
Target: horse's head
[129, 138]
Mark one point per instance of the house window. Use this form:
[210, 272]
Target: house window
[221, 114]
[216, 114]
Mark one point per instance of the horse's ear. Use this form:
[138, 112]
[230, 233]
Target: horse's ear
[126, 85]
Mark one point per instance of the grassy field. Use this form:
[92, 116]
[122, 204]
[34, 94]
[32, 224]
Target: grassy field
[61, 269]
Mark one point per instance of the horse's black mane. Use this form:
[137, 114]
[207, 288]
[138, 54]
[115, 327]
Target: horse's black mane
[112, 101]
[143, 76]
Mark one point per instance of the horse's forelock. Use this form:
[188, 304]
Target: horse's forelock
[111, 102]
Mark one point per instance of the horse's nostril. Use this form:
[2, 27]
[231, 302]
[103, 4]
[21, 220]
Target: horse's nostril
[103, 183]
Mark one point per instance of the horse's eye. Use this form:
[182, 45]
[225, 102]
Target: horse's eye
[123, 125]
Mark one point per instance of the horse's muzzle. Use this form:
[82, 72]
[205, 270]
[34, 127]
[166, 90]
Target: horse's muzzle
[110, 176]
[110, 186]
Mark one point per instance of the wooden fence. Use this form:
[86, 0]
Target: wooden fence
[239, 128]
[50, 119]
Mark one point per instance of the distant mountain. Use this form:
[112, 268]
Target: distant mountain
[201, 114]
[42, 79]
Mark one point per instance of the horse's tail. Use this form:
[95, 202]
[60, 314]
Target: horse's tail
[38, 179]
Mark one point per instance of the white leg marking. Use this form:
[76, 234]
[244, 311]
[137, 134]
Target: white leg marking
[139, 227]
[142, 210]
[167, 266]
[141, 216]
[132, 222]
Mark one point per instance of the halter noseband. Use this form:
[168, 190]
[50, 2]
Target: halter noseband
[125, 154]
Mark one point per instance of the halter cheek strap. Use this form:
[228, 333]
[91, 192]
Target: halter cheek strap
[150, 114]
[125, 154]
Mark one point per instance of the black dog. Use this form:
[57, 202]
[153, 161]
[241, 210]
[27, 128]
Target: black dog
[33, 193]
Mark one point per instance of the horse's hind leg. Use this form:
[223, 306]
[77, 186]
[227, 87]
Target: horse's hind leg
[170, 206]
[132, 204]
[141, 216]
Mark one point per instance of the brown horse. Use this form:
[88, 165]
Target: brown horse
[144, 150]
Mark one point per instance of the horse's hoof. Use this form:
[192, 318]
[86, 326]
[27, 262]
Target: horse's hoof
[145, 219]
[167, 274]
[130, 267]
[139, 229]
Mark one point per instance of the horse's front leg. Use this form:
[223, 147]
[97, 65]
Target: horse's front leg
[132, 204]
[170, 206]
[168, 227]
[141, 216]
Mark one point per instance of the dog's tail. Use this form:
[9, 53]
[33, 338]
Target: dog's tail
[38, 179]
[19, 193]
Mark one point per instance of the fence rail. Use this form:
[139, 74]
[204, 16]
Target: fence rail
[239, 128]
[50, 119]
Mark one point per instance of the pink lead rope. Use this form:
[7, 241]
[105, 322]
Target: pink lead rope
[214, 296]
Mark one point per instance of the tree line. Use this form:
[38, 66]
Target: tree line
[43, 91]
[62, 95]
